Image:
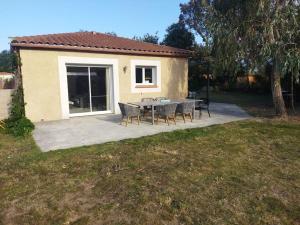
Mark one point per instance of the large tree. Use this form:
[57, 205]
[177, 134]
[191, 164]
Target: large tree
[7, 60]
[179, 36]
[259, 31]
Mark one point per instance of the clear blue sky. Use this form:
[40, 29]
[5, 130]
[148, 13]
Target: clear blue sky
[125, 17]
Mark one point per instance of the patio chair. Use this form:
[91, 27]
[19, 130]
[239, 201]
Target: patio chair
[147, 109]
[185, 109]
[167, 112]
[129, 112]
[203, 106]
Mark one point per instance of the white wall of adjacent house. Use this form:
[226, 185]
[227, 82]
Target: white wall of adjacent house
[6, 76]
[5, 100]
[6, 80]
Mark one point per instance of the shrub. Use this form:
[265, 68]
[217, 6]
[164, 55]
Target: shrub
[17, 124]
[20, 127]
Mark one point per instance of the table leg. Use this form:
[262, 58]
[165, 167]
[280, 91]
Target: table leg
[152, 111]
[194, 108]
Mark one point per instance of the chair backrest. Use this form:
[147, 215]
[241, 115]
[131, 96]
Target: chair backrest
[192, 94]
[129, 110]
[147, 99]
[122, 108]
[186, 107]
[205, 101]
[160, 98]
[166, 109]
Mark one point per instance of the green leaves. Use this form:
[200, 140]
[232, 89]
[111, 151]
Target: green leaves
[17, 124]
[179, 36]
[7, 61]
[257, 31]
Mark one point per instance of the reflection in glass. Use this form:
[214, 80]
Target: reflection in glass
[148, 75]
[89, 89]
[78, 89]
[99, 89]
[138, 75]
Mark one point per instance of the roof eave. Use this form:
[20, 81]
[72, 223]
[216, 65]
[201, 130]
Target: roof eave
[185, 54]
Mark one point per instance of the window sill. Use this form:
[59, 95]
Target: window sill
[146, 86]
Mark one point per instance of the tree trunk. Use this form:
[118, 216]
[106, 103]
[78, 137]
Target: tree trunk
[292, 93]
[278, 101]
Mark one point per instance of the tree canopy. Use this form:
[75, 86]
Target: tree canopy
[7, 61]
[258, 32]
[179, 36]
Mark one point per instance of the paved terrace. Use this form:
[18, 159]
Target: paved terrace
[89, 130]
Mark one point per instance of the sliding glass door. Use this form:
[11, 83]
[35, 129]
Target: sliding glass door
[89, 89]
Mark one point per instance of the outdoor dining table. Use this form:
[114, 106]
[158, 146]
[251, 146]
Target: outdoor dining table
[152, 104]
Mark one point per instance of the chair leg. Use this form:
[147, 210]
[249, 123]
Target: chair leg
[122, 120]
[183, 116]
[191, 117]
[208, 111]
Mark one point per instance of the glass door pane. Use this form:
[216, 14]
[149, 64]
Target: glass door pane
[78, 89]
[100, 88]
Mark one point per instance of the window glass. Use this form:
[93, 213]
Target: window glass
[139, 75]
[88, 89]
[148, 75]
[99, 89]
[77, 71]
[78, 89]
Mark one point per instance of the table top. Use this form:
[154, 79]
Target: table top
[156, 103]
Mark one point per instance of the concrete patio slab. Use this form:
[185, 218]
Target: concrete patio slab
[89, 130]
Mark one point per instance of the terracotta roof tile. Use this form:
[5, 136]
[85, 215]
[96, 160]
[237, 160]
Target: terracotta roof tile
[96, 42]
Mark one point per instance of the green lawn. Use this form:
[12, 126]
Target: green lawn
[238, 173]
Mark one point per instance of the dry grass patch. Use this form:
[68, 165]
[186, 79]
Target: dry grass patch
[238, 173]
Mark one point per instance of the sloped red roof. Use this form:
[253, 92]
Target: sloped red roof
[96, 42]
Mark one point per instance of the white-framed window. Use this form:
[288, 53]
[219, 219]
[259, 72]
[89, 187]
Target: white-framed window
[145, 75]
[63, 61]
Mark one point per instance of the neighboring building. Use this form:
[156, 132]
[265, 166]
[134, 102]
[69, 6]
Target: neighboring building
[248, 79]
[88, 73]
[6, 80]
[6, 86]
